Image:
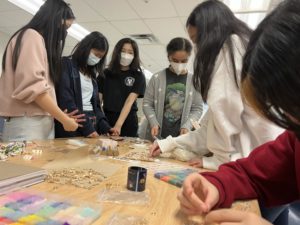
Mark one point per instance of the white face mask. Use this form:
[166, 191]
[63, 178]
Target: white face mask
[178, 67]
[93, 60]
[126, 59]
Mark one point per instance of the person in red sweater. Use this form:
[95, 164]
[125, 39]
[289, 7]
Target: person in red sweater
[271, 84]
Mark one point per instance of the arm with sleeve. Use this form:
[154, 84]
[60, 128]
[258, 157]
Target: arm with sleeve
[194, 141]
[140, 85]
[148, 103]
[30, 76]
[270, 173]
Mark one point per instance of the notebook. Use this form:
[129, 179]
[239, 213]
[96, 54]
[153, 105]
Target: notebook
[15, 176]
[174, 177]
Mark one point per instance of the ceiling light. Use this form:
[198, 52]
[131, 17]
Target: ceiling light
[32, 6]
[78, 32]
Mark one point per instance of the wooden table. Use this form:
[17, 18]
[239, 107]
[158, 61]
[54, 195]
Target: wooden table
[163, 207]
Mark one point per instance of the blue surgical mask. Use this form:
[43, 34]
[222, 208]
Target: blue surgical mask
[93, 60]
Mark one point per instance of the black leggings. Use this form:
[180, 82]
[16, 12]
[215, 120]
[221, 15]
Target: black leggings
[130, 126]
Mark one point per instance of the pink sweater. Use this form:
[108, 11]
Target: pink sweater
[19, 88]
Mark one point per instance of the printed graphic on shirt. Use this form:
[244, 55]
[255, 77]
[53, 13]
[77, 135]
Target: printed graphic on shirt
[174, 101]
[129, 81]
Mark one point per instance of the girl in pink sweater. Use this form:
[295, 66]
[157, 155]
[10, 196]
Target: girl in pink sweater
[31, 65]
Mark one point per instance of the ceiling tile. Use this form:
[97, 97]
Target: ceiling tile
[155, 52]
[153, 8]
[131, 27]
[113, 9]
[173, 26]
[184, 8]
[16, 18]
[3, 40]
[7, 6]
[106, 28]
[83, 12]
[9, 30]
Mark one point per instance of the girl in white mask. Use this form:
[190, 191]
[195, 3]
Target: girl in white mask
[170, 101]
[78, 90]
[123, 83]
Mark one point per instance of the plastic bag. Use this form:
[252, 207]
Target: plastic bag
[124, 197]
[179, 154]
[117, 219]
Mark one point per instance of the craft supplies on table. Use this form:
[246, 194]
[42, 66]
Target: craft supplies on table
[82, 178]
[174, 177]
[40, 209]
[137, 155]
[11, 149]
[82, 172]
[106, 147]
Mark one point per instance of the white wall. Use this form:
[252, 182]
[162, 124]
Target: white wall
[3, 41]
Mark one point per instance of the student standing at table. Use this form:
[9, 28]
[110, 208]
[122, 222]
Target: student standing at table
[78, 89]
[170, 100]
[122, 84]
[230, 129]
[31, 67]
[271, 173]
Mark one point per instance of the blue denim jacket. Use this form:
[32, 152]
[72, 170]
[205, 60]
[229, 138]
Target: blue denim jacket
[69, 96]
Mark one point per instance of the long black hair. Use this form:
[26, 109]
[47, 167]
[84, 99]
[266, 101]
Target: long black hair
[179, 44]
[271, 68]
[215, 23]
[115, 65]
[49, 21]
[82, 50]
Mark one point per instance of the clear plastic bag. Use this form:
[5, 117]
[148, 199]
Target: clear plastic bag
[124, 197]
[179, 154]
[117, 219]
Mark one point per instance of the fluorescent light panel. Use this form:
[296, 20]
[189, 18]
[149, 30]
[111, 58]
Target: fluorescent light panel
[32, 6]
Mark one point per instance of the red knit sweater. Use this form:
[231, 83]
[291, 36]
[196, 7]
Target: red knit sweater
[270, 173]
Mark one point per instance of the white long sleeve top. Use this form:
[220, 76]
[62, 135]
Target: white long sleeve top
[230, 129]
